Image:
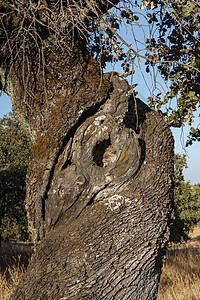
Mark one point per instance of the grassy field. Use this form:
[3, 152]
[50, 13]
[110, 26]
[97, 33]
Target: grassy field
[14, 259]
[180, 278]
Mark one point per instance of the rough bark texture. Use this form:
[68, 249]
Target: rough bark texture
[99, 202]
[99, 185]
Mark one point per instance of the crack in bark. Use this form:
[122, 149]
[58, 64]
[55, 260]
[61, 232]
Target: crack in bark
[91, 201]
[85, 115]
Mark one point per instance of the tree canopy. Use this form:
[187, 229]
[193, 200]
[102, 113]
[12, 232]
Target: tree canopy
[168, 44]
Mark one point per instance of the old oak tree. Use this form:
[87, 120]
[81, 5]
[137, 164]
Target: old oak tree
[99, 183]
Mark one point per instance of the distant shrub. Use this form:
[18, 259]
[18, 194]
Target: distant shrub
[187, 203]
[14, 159]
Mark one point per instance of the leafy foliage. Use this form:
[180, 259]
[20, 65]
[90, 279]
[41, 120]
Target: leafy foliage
[187, 203]
[163, 41]
[14, 158]
[176, 46]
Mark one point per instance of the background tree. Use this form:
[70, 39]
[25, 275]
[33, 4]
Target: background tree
[14, 159]
[187, 203]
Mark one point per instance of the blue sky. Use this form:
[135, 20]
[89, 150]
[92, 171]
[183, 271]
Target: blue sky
[5, 105]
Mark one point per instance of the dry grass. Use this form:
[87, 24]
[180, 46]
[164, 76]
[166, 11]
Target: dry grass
[14, 259]
[9, 281]
[180, 279]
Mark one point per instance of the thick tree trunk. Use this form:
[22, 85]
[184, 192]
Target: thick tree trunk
[99, 185]
[99, 190]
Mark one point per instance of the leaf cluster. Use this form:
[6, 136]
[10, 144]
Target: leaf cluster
[176, 52]
[169, 46]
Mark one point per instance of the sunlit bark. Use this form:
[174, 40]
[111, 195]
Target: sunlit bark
[99, 185]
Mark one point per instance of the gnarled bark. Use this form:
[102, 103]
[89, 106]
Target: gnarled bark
[99, 185]
[101, 203]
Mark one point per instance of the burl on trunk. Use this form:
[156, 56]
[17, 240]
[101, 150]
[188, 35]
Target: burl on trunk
[99, 192]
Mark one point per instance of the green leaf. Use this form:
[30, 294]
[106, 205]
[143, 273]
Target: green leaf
[192, 93]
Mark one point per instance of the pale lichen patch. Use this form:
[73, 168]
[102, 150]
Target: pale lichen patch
[98, 120]
[116, 201]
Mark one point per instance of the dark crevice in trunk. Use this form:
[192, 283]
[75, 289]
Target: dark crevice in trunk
[87, 114]
[66, 164]
[135, 115]
[99, 151]
[43, 206]
[143, 151]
